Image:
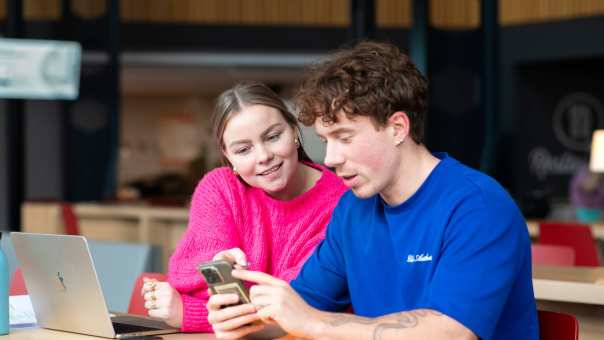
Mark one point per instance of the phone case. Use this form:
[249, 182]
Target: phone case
[217, 275]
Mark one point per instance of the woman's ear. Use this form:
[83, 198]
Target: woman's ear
[400, 125]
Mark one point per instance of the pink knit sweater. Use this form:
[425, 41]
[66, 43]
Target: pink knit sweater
[276, 236]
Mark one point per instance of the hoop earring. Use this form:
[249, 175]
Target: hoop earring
[297, 142]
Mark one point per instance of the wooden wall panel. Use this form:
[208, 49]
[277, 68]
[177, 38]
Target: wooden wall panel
[239, 12]
[36, 10]
[514, 12]
[393, 13]
[309, 12]
[457, 14]
[340, 10]
[251, 12]
[87, 9]
[446, 14]
[42, 10]
[291, 12]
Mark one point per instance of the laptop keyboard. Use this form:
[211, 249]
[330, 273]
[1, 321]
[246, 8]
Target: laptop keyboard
[121, 328]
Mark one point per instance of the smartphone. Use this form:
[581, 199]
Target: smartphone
[218, 277]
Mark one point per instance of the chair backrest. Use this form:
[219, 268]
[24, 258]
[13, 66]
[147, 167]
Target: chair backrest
[553, 255]
[577, 236]
[118, 264]
[70, 219]
[558, 326]
[17, 284]
[137, 303]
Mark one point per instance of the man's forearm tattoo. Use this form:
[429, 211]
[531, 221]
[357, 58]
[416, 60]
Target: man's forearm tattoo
[403, 320]
[396, 321]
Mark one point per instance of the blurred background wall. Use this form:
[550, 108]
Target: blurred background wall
[152, 68]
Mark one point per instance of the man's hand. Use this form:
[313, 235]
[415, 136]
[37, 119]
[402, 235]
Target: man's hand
[276, 301]
[232, 322]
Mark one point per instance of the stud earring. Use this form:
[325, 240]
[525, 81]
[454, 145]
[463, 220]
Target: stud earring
[235, 171]
[400, 142]
[297, 142]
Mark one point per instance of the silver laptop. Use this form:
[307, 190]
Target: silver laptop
[65, 292]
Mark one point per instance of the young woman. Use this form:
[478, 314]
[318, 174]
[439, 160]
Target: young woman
[268, 208]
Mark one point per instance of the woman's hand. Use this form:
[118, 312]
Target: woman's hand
[235, 256]
[232, 322]
[162, 301]
[276, 301]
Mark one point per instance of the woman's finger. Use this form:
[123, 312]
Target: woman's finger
[217, 301]
[149, 296]
[224, 255]
[150, 305]
[235, 256]
[160, 313]
[148, 285]
[240, 258]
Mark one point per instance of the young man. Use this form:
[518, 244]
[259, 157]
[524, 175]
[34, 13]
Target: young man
[422, 247]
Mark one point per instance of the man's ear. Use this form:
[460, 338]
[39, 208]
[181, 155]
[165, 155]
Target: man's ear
[400, 125]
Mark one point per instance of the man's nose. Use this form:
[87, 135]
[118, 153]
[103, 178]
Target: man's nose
[333, 157]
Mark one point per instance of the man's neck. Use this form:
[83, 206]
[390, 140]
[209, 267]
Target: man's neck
[415, 166]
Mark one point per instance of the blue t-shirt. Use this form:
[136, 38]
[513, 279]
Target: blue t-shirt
[459, 245]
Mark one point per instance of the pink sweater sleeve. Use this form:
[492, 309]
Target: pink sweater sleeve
[211, 229]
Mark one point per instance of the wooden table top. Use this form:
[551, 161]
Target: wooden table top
[579, 285]
[47, 334]
[569, 284]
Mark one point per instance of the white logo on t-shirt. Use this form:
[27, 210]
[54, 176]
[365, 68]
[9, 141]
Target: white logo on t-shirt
[419, 258]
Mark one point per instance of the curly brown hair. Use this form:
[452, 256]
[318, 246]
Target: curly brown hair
[372, 79]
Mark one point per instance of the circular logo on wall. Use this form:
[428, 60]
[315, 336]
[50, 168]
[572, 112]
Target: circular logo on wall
[575, 118]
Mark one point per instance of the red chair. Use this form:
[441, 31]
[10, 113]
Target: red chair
[137, 303]
[558, 326]
[553, 255]
[70, 219]
[17, 284]
[577, 236]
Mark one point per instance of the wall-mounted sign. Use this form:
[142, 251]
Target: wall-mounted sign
[558, 106]
[39, 69]
[575, 118]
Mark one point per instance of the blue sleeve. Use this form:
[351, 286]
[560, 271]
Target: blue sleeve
[482, 253]
[322, 280]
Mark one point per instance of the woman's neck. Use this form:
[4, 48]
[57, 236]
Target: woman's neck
[304, 178]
